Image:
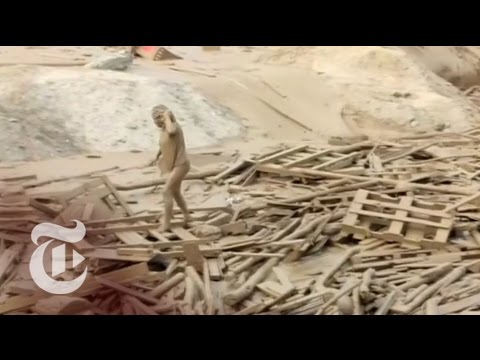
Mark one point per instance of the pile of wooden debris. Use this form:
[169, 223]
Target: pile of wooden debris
[400, 219]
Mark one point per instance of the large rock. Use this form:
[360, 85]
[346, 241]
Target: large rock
[119, 61]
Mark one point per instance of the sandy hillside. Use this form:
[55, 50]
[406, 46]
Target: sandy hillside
[380, 90]
[459, 65]
[240, 97]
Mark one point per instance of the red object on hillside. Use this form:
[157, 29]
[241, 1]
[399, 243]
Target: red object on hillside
[155, 53]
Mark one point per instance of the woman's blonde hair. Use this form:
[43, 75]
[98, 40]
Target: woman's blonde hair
[160, 110]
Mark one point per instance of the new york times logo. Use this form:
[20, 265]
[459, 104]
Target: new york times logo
[37, 269]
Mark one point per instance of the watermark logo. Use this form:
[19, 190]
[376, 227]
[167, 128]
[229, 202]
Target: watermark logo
[37, 269]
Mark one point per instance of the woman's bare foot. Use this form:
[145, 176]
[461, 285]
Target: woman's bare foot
[165, 227]
[186, 219]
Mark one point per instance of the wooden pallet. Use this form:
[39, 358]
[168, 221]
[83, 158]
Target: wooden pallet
[316, 159]
[402, 219]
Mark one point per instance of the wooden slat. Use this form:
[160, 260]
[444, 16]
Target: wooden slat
[22, 219]
[333, 162]
[118, 229]
[19, 177]
[194, 256]
[183, 234]
[118, 287]
[282, 154]
[129, 219]
[459, 305]
[15, 210]
[87, 212]
[276, 169]
[308, 158]
[117, 195]
[112, 254]
[81, 189]
[214, 270]
[230, 170]
[7, 258]
[131, 238]
[42, 207]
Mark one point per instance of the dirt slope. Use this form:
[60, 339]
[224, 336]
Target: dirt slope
[48, 112]
[376, 90]
[280, 94]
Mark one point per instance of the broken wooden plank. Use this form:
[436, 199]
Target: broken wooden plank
[140, 306]
[343, 260]
[433, 289]
[118, 229]
[81, 189]
[19, 178]
[247, 288]
[387, 303]
[208, 289]
[167, 285]
[42, 207]
[238, 165]
[126, 290]
[361, 185]
[220, 219]
[431, 306]
[459, 305]
[191, 176]
[345, 291]
[183, 234]
[7, 258]
[462, 202]
[129, 219]
[408, 152]
[214, 270]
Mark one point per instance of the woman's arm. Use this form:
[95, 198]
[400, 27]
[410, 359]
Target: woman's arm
[158, 155]
[170, 125]
[156, 158]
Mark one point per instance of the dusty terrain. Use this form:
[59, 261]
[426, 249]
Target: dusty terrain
[62, 125]
[248, 97]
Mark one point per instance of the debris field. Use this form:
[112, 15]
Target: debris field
[402, 217]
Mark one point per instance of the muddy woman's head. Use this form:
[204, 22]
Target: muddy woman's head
[158, 115]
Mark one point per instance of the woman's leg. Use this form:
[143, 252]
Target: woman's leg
[177, 191]
[173, 191]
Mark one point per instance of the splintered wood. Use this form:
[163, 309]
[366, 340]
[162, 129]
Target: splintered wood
[360, 228]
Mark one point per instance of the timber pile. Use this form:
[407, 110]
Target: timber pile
[404, 214]
[473, 95]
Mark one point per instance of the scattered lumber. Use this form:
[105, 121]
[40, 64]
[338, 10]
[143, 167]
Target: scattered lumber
[399, 224]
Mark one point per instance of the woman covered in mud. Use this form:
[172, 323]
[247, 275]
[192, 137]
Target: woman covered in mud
[173, 162]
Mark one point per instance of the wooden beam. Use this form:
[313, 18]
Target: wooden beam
[114, 230]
